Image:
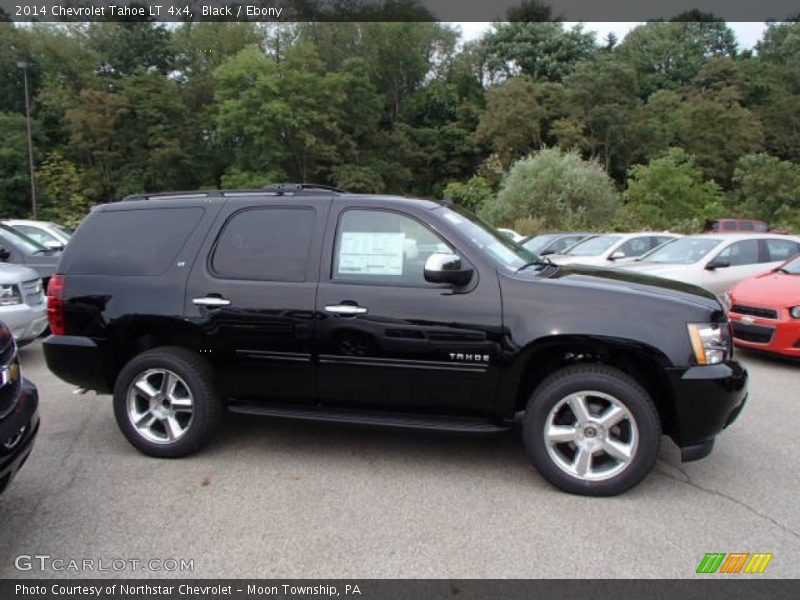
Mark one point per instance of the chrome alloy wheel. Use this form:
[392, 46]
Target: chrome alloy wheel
[591, 435]
[160, 406]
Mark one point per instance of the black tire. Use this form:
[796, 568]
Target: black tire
[607, 380]
[200, 381]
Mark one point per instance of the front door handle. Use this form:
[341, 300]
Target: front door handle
[345, 309]
[213, 301]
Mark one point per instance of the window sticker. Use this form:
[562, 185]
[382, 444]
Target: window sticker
[366, 253]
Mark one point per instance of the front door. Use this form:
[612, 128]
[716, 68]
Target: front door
[252, 291]
[386, 337]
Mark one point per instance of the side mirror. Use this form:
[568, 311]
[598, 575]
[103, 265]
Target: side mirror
[4, 254]
[717, 263]
[617, 255]
[54, 246]
[546, 252]
[446, 268]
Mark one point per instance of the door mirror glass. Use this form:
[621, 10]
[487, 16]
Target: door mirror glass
[717, 263]
[446, 268]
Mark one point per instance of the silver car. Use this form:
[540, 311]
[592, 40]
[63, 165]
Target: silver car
[22, 302]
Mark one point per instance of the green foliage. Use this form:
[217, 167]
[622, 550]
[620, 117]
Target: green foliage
[398, 107]
[511, 121]
[560, 189]
[768, 189]
[471, 195]
[670, 193]
[61, 192]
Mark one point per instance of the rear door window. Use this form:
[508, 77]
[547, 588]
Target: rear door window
[780, 250]
[265, 244]
[130, 242]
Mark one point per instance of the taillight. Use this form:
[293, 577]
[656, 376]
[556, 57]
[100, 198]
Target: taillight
[55, 304]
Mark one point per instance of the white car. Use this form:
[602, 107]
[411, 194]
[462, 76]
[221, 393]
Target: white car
[22, 302]
[717, 261]
[48, 234]
[610, 249]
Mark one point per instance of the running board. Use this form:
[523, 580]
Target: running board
[374, 418]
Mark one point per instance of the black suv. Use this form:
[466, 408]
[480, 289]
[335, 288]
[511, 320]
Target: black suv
[19, 415]
[307, 303]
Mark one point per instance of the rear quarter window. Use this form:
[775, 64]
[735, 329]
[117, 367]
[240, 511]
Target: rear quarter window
[130, 242]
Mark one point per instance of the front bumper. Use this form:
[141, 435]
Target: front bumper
[18, 431]
[707, 400]
[26, 322]
[778, 336]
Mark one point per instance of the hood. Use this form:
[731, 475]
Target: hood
[568, 259]
[16, 273]
[769, 289]
[651, 267]
[609, 278]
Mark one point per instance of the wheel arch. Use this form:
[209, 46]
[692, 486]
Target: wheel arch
[644, 363]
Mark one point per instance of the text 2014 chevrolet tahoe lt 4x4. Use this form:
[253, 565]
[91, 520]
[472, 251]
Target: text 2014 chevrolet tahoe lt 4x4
[307, 303]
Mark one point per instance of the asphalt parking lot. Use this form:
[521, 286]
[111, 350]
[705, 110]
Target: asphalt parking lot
[280, 499]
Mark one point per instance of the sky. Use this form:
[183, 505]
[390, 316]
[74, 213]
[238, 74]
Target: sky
[746, 33]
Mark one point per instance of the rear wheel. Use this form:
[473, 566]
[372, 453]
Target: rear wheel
[592, 429]
[166, 402]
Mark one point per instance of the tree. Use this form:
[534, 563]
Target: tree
[768, 189]
[14, 178]
[62, 198]
[539, 50]
[670, 193]
[511, 122]
[670, 55]
[471, 195]
[560, 189]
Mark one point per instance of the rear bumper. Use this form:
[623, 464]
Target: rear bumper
[17, 434]
[707, 400]
[76, 360]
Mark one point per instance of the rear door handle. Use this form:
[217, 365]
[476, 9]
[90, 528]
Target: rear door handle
[345, 309]
[212, 301]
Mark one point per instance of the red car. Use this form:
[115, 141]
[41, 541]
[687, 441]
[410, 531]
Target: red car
[765, 310]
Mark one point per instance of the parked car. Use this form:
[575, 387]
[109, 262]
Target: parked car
[612, 248]
[553, 243]
[48, 234]
[19, 415]
[511, 234]
[734, 225]
[18, 249]
[22, 303]
[308, 305]
[765, 310]
[717, 261]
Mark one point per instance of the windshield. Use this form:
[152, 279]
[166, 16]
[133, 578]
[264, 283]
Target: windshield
[21, 241]
[593, 246]
[39, 235]
[538, 242]
[792, 267]
[505, 252]
[682, 251]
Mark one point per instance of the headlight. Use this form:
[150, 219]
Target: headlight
[9, 294]
[709, 342]
[795, 312]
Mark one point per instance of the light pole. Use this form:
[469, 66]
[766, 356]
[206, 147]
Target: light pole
[24, 66]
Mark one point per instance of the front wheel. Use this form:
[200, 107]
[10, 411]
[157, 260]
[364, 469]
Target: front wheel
[166, 402]
[591, 429]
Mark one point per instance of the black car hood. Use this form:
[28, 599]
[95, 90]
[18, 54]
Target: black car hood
[609, 278]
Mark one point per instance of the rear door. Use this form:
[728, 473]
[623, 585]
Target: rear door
[386, 337]
[252, 291]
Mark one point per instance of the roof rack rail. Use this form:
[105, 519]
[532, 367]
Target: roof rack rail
[275, 189]
[293, 188]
